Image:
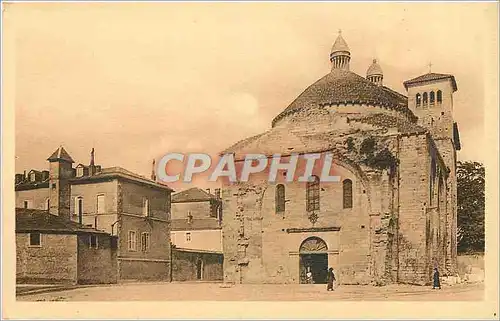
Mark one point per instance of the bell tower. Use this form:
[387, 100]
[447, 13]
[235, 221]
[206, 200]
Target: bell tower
[430, 98]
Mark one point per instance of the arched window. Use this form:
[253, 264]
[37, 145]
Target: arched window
[431, 98]
[347, 193]
[418, 98]
[312, 194]
[424, 100]
[439, 96]
[280, 198]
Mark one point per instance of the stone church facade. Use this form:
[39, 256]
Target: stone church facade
[390, 219]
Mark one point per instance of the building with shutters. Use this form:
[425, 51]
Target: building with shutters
[132, 208]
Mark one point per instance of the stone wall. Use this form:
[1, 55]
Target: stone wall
[185, 265]
[97, 265]
[262, 246]
[55, 261]
[414, 222]
[197, 210]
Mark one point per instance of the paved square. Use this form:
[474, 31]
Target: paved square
[259, 292]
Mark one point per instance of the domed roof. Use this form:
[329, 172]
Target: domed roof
[342, 87]
[374, 69]
[340, 45]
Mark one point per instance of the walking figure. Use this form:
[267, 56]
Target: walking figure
[330, 279]
[436, 283]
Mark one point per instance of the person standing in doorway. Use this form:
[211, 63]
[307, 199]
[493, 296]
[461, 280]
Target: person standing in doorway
[330, 279]
[309, 278]
[436, 282]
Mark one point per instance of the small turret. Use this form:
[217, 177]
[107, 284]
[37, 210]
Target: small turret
[340, 54]
[374, 73]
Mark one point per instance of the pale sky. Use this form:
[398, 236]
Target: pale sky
[138, 80]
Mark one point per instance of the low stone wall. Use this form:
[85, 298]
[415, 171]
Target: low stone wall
[471, 267]
[186, 263]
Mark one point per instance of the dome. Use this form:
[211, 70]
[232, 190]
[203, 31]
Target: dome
[340, 45]
[374, 69]
[341, 87]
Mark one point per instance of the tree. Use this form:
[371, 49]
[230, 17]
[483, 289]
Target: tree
[470, 207]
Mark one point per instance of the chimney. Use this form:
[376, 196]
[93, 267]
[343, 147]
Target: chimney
[19, 178]
[92, 170]
[153, 171]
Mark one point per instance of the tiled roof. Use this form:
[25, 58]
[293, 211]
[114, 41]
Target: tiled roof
[388, 121]
[31, 185]
[431, 77]
[118, 172]
[193, 194]
[345, 87]
[60, 154]
[31, 220]
[340, 45]
[196, 224]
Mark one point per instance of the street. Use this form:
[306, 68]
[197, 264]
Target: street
[258, 292]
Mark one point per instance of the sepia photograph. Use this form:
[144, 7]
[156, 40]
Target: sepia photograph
[209, 158]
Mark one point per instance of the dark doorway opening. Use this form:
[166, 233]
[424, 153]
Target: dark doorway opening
[317, 265]
[199, 269]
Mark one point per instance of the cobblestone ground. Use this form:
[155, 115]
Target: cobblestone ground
[265, 292]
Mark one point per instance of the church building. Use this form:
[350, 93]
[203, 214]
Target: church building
[392, 216]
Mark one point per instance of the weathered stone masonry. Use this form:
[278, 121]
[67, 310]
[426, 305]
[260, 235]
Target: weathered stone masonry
[399, 161]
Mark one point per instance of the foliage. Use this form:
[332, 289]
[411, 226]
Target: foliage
[350, 144]
[382, 160]
[368, 146]
[470, 207]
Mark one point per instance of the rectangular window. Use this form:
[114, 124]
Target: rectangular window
[35, 239]
[145, 243]
[79, 171]
[33, 177]
[93, 241]
[101, 204]
[132, 241]
[78, 205]
[26, 204]
[145, 207]
[188, 237]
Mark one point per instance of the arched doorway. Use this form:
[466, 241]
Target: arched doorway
[313, 258]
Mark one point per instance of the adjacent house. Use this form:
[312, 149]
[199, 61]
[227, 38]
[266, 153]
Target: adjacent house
[130, 207]
[51, 249]
[196, 234]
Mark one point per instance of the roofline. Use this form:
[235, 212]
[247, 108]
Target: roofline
[112, 176]
[415, 82]
[398, 108]
[196, 229]
[194, 200]
[197, 251]
[60, 231]
[26, 187]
